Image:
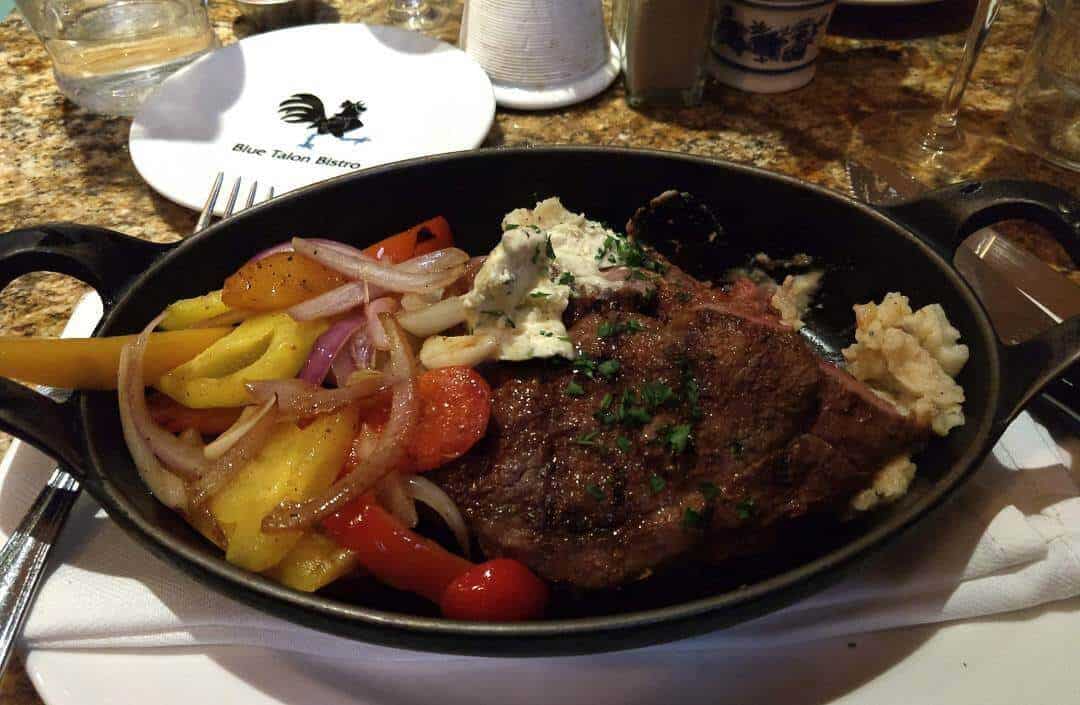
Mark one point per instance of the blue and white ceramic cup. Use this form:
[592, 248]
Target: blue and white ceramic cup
[767, 46]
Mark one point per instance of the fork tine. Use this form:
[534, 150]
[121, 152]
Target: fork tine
[251, 194]
[231, 205]
[211, 200]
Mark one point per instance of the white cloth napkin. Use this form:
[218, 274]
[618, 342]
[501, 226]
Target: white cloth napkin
[1009, 539]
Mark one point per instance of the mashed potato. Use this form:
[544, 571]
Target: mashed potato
[910, 358]
[792, 298]
[890, 484]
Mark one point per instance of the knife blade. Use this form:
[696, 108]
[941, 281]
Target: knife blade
[1023, 295]
[879, 182]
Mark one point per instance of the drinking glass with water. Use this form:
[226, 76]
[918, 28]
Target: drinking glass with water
[109, 54]
[1046, 113]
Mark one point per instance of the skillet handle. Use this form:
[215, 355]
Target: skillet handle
[946, 216]
[1031, 365]
[104, 259]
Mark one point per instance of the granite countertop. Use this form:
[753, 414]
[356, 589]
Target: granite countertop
[57, 162]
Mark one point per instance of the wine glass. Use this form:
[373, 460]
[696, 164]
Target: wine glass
[415, 14]
[931, 145]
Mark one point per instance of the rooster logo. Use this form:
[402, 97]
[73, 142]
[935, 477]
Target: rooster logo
[307, 108]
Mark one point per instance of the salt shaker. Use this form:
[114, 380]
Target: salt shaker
[664, 45]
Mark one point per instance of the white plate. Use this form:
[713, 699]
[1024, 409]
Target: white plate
[221, 113]
[1024, 657]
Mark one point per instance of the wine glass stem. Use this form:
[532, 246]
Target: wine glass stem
[944, 133]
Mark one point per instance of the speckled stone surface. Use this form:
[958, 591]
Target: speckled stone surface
[57, 162]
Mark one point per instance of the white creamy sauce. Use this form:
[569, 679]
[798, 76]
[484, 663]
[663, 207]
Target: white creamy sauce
[521, 291]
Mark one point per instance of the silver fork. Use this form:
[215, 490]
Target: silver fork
[23, 558]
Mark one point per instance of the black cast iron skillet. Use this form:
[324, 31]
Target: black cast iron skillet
[871, 251]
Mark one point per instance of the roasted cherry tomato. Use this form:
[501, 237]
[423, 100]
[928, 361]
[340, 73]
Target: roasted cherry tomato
[455, 406]
[501, 590]
[420, 239]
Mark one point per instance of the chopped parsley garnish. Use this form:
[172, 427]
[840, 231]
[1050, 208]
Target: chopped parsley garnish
[708, 491]
[492, 312]
[656, 394]
[585, 365]
[678, 438]
[683, 296]
[621, 250]
[510, 322]
[629, 412]
[587, 439]
[736, 448]
[566, 278]
[623, 444]
[595, 492]
[564, 338]
[608, 368]
[745, 509]
[693, 519]
[547, 334]
[511, 226]
[550, 249]
[575, 390]
[656, 484]
[608, 329]
[539, 295]
[605, 402]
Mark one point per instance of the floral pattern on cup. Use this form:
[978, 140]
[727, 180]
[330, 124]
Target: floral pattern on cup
[755, 42]
[764, 42]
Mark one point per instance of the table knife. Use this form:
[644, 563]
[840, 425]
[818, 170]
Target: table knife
[1023, 295]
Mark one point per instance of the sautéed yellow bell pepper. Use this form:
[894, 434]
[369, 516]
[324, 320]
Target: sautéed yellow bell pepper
[186, 313]
[295, 464]
[92, 363]
[271, 346]
[313, 563]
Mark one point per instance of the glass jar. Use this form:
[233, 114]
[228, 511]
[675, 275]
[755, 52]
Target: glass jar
[664, 44]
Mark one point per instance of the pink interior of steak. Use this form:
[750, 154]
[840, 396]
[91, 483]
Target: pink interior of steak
[717, 428]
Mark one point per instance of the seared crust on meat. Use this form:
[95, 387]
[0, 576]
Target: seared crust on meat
[590, 499]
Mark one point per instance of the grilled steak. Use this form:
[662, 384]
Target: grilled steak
[694, 426]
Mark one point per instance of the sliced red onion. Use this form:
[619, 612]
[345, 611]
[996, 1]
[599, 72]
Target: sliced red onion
[424, 490]
[374, 328]
[288, 247]
[333, 302]
[386, 456]
[392, 493]
[249, 418]
[219, 472]
[435, 318]
[362, 350]
[437, 261]
[163, 484]
[327, 347]
[362, 268]
[299, 399]
[342, 367]
[180, 457]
